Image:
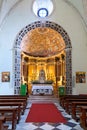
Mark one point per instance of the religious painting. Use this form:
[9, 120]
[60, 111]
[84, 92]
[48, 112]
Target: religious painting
[5, 76]
[80, 77]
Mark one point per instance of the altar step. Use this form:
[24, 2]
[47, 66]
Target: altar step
[35, 99]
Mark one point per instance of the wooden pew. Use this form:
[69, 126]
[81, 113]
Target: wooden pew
[12, 117]
[66, 97]
[77, 106]
[24, 101]
[68, 103]
[2, 125]
[13, 96]
[2, 120]
[11, 105]
[8, 102]
[83, 117]
[71, 96]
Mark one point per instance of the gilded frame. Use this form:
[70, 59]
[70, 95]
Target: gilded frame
[81, 77]
[5, 76]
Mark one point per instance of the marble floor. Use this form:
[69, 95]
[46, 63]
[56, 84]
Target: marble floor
[70, 125]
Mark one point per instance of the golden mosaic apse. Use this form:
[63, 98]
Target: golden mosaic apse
[42, 42]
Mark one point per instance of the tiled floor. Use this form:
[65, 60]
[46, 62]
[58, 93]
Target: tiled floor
[70, 125]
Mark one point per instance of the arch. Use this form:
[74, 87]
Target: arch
[17, 56]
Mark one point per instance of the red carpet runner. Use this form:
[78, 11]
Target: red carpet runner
[45, 112]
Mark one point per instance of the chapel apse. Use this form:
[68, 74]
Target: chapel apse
[36, 26]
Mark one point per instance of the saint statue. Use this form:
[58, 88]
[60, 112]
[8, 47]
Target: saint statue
[42, 76]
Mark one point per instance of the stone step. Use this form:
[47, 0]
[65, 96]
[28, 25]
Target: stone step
[34, 99]
[43, 96]
[46, 101]
[43, 99]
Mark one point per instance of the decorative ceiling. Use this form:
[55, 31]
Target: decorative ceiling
[42, 42]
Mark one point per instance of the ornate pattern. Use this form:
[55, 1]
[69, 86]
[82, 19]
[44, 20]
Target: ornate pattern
[68, 47]
[42, 42]
[68, 71]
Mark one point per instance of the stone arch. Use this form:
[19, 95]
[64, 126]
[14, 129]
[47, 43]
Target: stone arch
[17, 57]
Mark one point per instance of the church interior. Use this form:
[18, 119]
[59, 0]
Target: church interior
[43, 46]
[42, 66]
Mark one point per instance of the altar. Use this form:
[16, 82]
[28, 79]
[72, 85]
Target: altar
[42, 89]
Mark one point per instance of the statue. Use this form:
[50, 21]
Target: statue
[42, 76]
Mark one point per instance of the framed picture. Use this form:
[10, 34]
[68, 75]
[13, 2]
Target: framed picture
[5, 76]
[80, 77]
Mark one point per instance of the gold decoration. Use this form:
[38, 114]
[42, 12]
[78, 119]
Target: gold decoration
[42, 42]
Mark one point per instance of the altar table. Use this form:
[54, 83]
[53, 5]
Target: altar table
[45, 89]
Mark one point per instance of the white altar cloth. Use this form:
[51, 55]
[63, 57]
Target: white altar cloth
[42, 88]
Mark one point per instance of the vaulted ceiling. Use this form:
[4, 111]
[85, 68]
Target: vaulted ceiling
[51, 41]
[42, 42]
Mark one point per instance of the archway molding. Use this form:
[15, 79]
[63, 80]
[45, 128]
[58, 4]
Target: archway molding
[17, 52]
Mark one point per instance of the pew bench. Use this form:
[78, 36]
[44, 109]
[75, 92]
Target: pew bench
[83, 117]
[12, 105]
[10, 115]
[23, 101]
[13, 96]
[2, 123]
[76, 109]
[65, 97]
[68, 103]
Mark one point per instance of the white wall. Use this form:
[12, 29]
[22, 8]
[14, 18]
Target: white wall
[64, 15]
[79, 5]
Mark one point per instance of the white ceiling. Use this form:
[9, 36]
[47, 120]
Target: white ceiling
[7, 5]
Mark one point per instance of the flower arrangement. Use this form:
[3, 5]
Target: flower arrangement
[38, 82]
